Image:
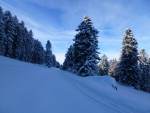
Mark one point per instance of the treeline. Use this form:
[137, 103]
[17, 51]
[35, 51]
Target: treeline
[82, 58]
[17, 42]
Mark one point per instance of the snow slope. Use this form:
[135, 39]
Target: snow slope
[29, 88]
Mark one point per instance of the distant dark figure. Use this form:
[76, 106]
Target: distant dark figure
[115, 87]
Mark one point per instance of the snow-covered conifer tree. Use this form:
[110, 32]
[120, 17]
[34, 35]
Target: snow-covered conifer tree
[85, 49]
[85, 56]
[48, 55]
[104, 65]
[127, 69]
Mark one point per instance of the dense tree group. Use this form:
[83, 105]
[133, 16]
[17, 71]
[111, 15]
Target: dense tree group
[134, 67]
[18, 43]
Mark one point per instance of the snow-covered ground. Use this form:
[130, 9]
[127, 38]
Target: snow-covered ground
[29, 88]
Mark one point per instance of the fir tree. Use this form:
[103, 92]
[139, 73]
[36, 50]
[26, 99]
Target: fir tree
[85, 49]
[104, 65]
[85, 56]
[127, 69]
[48, 55]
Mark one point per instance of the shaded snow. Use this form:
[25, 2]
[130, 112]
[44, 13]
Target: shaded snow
[29, 88]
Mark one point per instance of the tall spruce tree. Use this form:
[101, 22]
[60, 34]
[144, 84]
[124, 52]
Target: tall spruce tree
[48, 55]
[85, 56]
[104, 65]
[127, 69]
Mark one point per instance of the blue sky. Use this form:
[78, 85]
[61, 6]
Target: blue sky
[56, 20]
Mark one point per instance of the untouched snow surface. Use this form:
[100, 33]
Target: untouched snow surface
[29, 88]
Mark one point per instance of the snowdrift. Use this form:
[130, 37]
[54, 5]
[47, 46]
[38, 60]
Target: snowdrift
[29, 88]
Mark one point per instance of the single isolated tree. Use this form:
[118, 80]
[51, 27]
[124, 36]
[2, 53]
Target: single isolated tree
[84, 56]
[104, 65]
[127, 69]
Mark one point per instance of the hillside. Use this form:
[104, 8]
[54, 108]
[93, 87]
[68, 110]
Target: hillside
[30, 88]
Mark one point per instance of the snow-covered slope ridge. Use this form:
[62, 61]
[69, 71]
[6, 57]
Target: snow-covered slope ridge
[29, 88]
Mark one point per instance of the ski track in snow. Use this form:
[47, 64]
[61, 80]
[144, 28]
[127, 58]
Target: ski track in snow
[93, 93]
